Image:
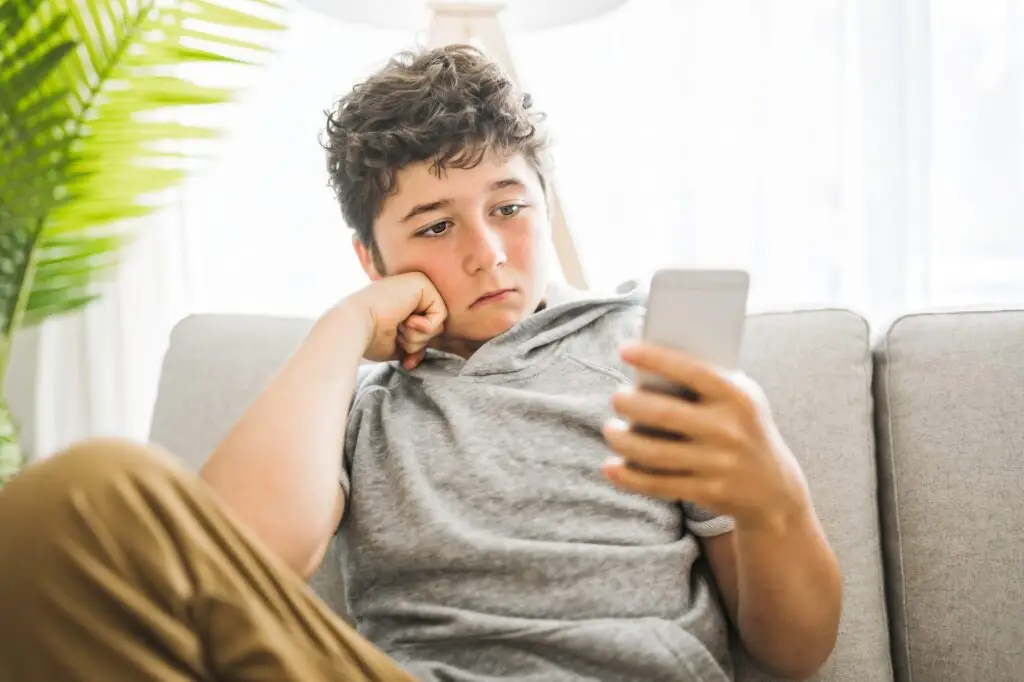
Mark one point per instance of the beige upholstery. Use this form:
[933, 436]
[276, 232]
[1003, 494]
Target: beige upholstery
[950, 392]
[816, 369]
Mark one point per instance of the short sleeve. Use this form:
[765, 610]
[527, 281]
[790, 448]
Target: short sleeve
[706, 524]
[351, 437]
[352, 425]
[345, 474]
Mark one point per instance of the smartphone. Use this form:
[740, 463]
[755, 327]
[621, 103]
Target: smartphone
[700, 312]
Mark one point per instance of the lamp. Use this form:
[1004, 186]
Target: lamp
[479, 23]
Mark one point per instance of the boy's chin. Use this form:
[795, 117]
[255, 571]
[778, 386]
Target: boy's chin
[494, 323]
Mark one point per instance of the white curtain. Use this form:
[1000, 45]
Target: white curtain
[97, 370]
[861, 153]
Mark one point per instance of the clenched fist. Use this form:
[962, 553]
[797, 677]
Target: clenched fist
[404, 313]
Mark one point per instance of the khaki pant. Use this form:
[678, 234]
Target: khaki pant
[117, 565]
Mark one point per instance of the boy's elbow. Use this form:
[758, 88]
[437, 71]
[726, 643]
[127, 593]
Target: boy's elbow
[307, 567]
[798, 673]
[802, 665]
[311, 563]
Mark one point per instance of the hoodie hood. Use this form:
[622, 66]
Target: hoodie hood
[567, 311]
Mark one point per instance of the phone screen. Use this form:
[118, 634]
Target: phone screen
[700, 312]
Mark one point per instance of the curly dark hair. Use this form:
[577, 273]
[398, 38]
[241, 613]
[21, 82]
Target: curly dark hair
[451, 105]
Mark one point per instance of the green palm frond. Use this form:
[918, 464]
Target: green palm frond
[33, 115]
[128, 68]
[86, 140]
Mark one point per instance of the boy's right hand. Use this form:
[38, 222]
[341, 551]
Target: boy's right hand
[405, 312]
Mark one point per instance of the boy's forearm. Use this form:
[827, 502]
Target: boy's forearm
[789, 595]
[278, 467]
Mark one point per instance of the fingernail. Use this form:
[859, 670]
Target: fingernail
[611, 463]
[618, 424]
[615, 426]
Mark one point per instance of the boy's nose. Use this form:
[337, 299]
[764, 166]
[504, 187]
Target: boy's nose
[486, 250]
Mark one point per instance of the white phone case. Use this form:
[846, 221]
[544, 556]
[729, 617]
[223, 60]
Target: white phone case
[700, 312]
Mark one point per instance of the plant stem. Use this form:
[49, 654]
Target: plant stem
[12, 458]
[21, 302]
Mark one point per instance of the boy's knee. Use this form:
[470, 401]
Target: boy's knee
[83, 507]
[89, 467]
[102, 455]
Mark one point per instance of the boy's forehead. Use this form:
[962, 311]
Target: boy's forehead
[421, 182]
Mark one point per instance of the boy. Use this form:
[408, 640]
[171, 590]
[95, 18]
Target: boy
[492, 523]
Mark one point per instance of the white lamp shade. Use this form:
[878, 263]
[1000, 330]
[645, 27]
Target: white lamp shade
[413, 15]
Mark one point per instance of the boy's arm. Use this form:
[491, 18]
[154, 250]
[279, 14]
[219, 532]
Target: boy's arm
[778, 576]
[278, 467]
[781, 587]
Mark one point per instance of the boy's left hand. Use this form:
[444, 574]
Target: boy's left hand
[731, 459]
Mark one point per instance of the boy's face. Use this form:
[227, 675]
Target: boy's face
[479, 234]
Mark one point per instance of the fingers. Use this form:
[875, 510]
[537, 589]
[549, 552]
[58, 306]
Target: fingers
[431, 307]
[662, 486]
[412, 361]
[413, 337]
[680, 369]
[423, 324]
[415, 333]
[664, 413]
[659, 454]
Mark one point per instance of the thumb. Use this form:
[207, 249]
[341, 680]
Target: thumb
[433, 310]
[412, 360]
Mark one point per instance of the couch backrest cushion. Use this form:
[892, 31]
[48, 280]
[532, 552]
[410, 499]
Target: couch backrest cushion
[950, 394]
[815, 367]
[214, 367]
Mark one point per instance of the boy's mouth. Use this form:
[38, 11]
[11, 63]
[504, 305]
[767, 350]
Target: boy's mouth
[492, 297]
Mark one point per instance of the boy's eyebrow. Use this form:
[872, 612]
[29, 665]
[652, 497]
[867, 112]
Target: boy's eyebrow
[420, 209]
[507, 182]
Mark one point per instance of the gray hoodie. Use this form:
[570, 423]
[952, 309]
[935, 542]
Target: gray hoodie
[482, 542]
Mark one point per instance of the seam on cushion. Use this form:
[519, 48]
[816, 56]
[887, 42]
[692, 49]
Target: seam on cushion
[891, 439]
[877, 516]
[871, 442]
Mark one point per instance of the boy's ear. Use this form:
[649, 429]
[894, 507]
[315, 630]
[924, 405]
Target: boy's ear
[366, 259]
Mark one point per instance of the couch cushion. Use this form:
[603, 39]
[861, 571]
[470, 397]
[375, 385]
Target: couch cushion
[950, 395]
[214, 367]
[815, 367]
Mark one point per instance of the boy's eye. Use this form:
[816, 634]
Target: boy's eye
[509, 210]
[435, 230]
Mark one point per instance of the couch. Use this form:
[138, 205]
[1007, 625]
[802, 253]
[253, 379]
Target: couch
[912, 438]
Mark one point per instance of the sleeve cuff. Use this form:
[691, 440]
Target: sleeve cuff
[709, 528]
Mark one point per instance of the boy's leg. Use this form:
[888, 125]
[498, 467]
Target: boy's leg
[117, 565]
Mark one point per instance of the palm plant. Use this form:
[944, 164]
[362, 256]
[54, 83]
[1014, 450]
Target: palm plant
[83, 145]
